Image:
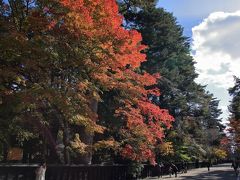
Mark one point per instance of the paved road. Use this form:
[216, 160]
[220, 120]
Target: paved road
[218, 172]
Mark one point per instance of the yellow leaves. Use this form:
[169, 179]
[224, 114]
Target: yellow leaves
[173, 134]
[106, 144]
[78, 145]
[83, 86]
[99, 129]
[88, 123]
[20, 80]
[95, 96]
[80, 120]
[79, 21]
[219, 153]
[166, 148]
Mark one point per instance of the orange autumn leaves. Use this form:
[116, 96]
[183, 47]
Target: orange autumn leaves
[100, 22]
[234, 129]
[113, 58]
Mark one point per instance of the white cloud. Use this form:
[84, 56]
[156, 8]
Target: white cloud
[216, 46]
[216, 43]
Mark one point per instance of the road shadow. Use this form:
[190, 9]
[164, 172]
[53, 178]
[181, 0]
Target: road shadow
[211, 175]
[219, 172]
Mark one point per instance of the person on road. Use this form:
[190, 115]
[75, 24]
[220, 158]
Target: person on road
[173, 169]
[159, 169]
[209, 164]
[40, 172]
[184, 167]
[235, 165]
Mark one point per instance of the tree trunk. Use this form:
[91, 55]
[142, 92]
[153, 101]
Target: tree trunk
[66, 137]
[87, 138]
[5, 152]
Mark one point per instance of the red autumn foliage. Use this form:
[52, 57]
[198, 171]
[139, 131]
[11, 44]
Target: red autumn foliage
[234, 129]
[80, 50]
[114, 69]
[224, 141]
[110, 61]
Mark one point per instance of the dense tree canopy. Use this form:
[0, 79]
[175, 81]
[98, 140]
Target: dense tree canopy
[58, 61]
[93, 80]
[195, 111]
[234, 119]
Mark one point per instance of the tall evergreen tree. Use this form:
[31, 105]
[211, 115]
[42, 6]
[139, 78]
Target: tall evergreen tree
[234, 119]
[168, 53]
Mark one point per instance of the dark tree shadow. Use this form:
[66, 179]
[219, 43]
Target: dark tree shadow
[225, 173]
[211, 175]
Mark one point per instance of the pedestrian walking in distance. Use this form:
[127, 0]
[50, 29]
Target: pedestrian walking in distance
[159, 169]
[209, 165]
[235, 166]
[40, 172]
[174, 169]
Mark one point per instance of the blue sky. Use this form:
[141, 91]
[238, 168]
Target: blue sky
[190, 13]
[175, 6]
[214, 29]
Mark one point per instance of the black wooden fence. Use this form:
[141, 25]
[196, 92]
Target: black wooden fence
[150, 170]
[65, 172]
[84, 172]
